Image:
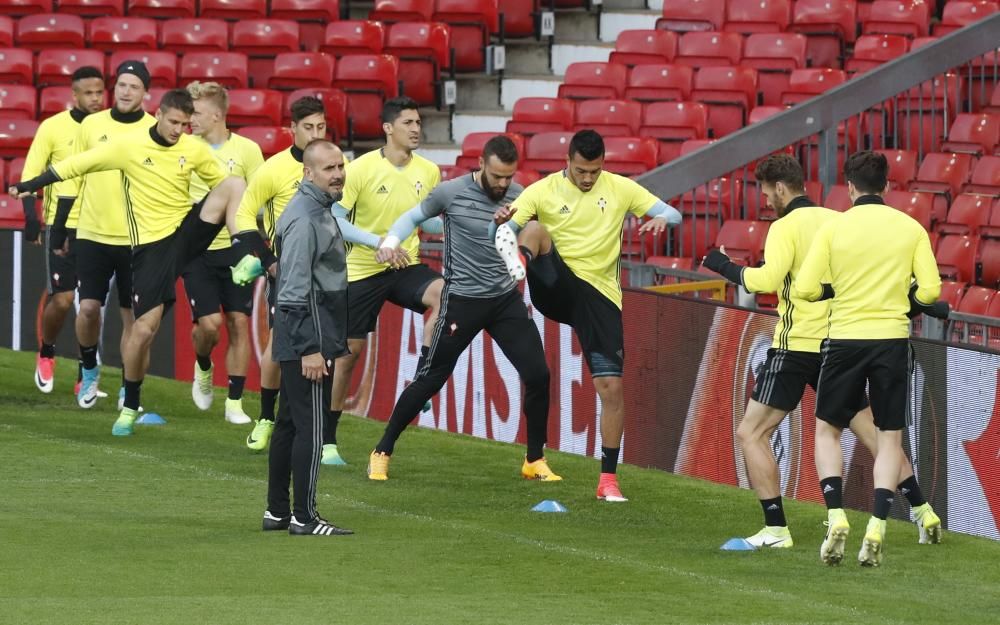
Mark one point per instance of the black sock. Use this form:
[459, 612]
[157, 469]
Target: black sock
[330, 431]
[911, 490]
[47, 350]
[424, 350]
[609, 459]
[526, 253]
[236, 383]
[79, 369]
[88, 356]
[534, 452]
[883, 501]
[774, 513]
[268, 397]
[833, 492]
[132, 394]
[204, 362]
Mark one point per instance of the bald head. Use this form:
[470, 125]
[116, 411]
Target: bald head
[323, 165]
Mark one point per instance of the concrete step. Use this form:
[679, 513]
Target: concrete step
[519, 86]
[436, 125]
[466, 122]
[479, 92]
[576, 24]
[527, 56]
[614, 22]
[564, 53]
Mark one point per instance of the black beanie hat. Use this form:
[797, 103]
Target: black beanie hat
[137, 69]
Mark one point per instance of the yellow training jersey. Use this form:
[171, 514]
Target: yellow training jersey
[270, 188]
[872, 252]
[802, 324]
[376, 193]
[238, 156]
[586, 227]
[155, 178]
[52, 143]
[101, 202]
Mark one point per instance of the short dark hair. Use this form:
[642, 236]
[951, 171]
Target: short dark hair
[306, 106]
[588, 144]
[501, 147]
[178, 99]
[781, 168]
[85, 72]
[869, 171]
[392, 109]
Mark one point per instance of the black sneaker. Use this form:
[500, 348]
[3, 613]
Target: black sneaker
[273, 523]
[316, 527]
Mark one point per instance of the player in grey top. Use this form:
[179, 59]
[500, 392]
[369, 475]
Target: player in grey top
[479, 294]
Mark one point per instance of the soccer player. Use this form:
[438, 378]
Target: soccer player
[270, 189]
[310, 331]
[794, 359]
[479, 294]
[166, 232]
[871, 254]
[52, 143]
[572, 255]
[208, 279]
[381, 186]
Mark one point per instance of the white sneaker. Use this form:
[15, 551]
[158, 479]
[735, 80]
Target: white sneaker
[121, 398]
[201, 388]
[86, 397]
[506, 245]
[773, 537]
[234, 412]
[832, 550]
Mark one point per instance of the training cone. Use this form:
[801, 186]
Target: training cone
[550, 505]
[737, 544]
[151, 418]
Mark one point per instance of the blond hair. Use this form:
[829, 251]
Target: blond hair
[210, 91]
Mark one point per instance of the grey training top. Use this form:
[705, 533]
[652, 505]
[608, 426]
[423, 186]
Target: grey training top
[472, 266]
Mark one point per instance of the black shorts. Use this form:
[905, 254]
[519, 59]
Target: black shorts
[404, 288]
[562, 296]
[156, 266]
[209, 285]
[61, 269]
[270, 293]
[849, 364]
[783, 377]
[96, 264]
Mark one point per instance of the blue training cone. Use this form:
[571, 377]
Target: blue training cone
[151, 418]
[550, 505]
[737, 544]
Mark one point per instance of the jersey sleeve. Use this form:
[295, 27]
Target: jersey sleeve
[779, 254]
[259, 190]
[102, 158]
[808, 284]
[352, 185]
[925, 270]
[527, 203]
[39, 154]
[637, 198]
[253, 158]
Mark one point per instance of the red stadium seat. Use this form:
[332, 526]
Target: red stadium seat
[525, 177]
[16, 66]
[693, 145]
[391, 11]
[534, 115]
[942, 173]
[471, 22]
[989, 255]
[956, 257]
[17, 102]
[976, 300]
[994, 104]
[696, 236]
[547, 151]
[226, 68]
[672, 123]
[898, 17]
[618, 118]
[952, 292]
[743, 240]
[838, 198]
[119, 33]
[652, 83]
[3, 175]
[6, 32]
[233, 9]
[473, 143]
[519, 17]
[702, 49]
[297, 70]
[829, 24]
[922, 111]
[758, 16]
[774, 56]
[17, 8]
[50, 30]
[16, 136]
[334, 103]
[902, 166]
[353, 37]
[960, 14]
[641, 47]
[916, 204]
[56, 67]
[265, 37]
[873, 50]
[688, 15]
[423, 51]
[968, 213]
[450, 172]
[720, 196]
[52, 100]
[11, 211]
[14, 169]
[729, 92]
[271, 139]
[985, 176]
[194, 35]
[151, 101]
[760, 113]
[670, 262]
[92, 8]
[594, 80]
[368, 80]
[629, 156]
[303, 10]
[973, 133]
[254, 107]
[807, 83]
[162, 65]
[161, 8]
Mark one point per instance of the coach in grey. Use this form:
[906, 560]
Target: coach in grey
[479, 294]
[310, 332]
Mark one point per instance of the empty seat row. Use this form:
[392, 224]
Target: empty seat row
[225, 9]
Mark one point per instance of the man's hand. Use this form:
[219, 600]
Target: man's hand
[57, 240]
[503, 214]
[314, 367]
[656, 225]
[32, 230]
[13, 192]
[716, 260]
